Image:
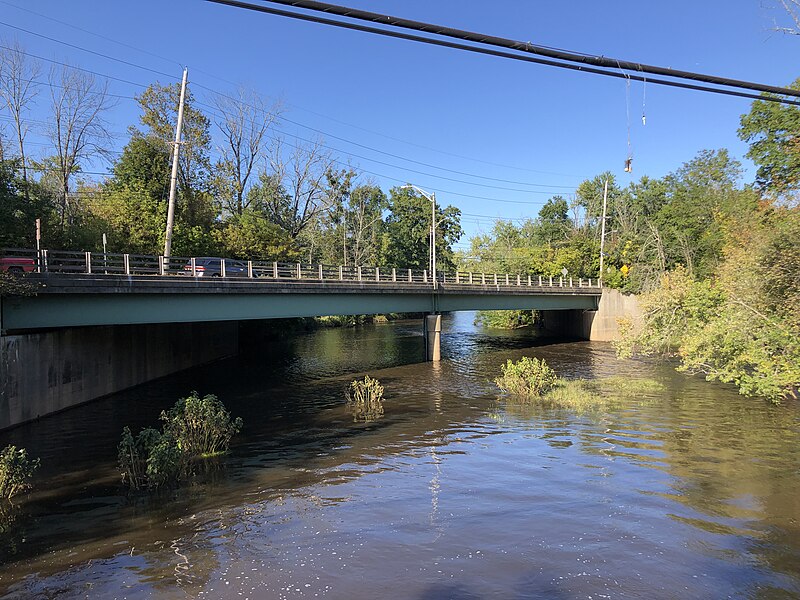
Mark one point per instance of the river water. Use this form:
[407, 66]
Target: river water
[692, 492]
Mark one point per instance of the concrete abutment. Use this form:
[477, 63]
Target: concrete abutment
[48, 371]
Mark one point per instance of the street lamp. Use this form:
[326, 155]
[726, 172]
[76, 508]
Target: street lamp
[432, 198]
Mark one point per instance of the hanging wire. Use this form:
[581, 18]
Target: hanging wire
[644, 100]
[629, 159]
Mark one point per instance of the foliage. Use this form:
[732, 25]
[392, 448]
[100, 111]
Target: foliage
[407, 232]
[772, 130]
[16, 471]
[527, 378]
[150, 460]
[194, 427]
[742, 328]
[12, 284]
[200, 426]
[506, 319]
[365, 399]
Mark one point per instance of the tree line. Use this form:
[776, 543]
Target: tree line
[243, 190]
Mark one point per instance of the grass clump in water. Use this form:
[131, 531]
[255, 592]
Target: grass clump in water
[526, 379]
[194, 428]
[532, 380]
[365, 399]
[16, 471]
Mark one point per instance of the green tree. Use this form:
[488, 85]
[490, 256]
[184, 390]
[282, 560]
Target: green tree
[773, 132]
[407, 232]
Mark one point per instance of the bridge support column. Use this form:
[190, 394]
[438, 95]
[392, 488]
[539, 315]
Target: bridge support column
[433, 335]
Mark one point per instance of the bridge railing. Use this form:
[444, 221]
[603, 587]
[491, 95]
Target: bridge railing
[100, 263]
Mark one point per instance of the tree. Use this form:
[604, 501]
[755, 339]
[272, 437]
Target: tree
[296, 190]
[553, 224]
[407, 230]
[18, 75]
[77, 129]
[773, 132]
[243, 124]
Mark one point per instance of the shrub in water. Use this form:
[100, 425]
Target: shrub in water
[16, 470]
[193, 427]
[149, 460]
[365, 399]
[526, 378]
[200, 426]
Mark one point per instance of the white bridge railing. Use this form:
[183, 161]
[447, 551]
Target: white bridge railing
[99, 263]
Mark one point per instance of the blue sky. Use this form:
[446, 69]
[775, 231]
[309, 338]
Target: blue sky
[542, 128]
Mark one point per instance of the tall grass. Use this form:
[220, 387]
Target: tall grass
[365, 399]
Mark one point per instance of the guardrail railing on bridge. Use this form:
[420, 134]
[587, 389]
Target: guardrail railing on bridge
[101, 263]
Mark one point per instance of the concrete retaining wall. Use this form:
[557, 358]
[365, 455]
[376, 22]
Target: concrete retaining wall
[45, 372]
[601, 325]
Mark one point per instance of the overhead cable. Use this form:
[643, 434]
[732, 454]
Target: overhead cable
[566, 60]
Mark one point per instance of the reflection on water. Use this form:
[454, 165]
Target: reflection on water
[694, 493]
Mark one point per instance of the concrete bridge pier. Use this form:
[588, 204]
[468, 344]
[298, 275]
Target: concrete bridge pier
[432, 327]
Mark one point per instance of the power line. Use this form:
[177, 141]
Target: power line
[322, 132]
[563, 57]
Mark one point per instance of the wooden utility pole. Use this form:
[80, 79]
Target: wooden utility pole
[173, 182]
[603, 230]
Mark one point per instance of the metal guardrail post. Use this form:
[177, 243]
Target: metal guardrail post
[275, 270]
[590, 282]
[483, 278]
[410, 277]
[321, 277]
[529, 280]
[560, 282]
[250, 268]
[425, 276]
[222, 271]
[126, 263]
[551, 281]
[570, 282]
[580, 282]
[160, 265]
[394, 274]
[519, 281]
[458, 279]
[495, 278]
[540, 281]
[193, 262]
[377, 273]
[470, 277]
[359, 273]
[89, 262]
[507, 283]
[341, 273]
[299, 271]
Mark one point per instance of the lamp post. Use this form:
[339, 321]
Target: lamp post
[432, 198]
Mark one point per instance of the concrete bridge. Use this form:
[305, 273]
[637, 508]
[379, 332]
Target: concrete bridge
[98, 323]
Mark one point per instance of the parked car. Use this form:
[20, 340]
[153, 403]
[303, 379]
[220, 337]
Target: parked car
[211, 266]
[17, 264]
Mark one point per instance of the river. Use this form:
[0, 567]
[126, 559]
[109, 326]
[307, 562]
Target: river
[691, 492]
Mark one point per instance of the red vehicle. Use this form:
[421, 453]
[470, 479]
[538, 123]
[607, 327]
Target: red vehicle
[17, 264]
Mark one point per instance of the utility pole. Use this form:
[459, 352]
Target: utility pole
[433, 237]
[173, 182]
[603, 230]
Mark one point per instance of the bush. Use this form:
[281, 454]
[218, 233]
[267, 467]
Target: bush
[526, 378]
[507, 319]
[16, 470]
[150, 460]
[365, 399]
[194, 427]
[200, 426]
